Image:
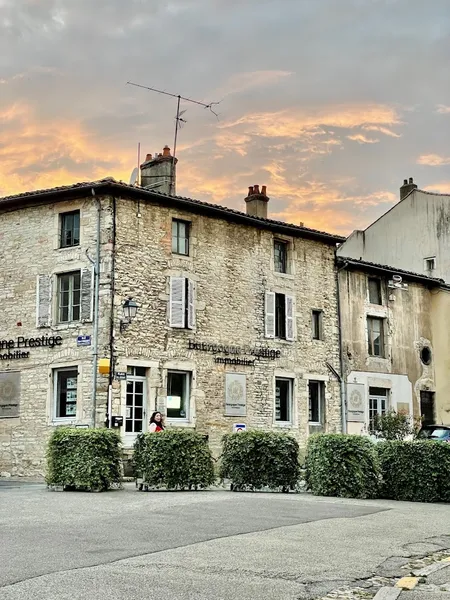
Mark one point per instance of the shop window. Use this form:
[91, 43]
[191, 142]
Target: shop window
[316, 392]
[279, 316]
[375, 331]
[283, 399]
[182, 303]
[70, 229]
[178, 394]
[66, 393]
[180, 237]
[374, 290]
[69, 297]
[317, 331]
[280, 250]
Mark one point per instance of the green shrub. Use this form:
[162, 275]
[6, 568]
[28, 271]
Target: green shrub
[84, 458]
[342, 465]
[394, 425]
[260, 459]
[417, 471]
[174, 459]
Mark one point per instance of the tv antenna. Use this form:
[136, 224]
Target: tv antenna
[179, 121]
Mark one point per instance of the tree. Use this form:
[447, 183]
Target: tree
[394, 425]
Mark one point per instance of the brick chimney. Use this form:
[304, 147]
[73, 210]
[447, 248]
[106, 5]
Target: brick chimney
[256, 201]
[158, 172]
[407, 187]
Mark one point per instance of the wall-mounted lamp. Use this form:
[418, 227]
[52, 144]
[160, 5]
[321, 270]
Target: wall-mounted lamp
[129, 312]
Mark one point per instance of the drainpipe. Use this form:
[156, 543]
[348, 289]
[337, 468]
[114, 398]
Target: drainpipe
[341, 354]
[96, 264]
[112, 308]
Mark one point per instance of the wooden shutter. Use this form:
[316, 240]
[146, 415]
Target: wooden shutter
[177, 302]
[43, 301]
[289, 317]
[270, 315]
[191, 304]
[87, 276]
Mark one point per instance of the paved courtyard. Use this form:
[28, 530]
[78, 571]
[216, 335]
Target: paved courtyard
[205, 545]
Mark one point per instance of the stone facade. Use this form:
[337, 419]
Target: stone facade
[230, 270]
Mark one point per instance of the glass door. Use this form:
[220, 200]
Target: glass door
[135, 420]
[378, 399]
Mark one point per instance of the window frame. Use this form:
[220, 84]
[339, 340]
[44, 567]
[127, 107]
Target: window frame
[177, 238]
[379, 409]
[317, 313]
[370, 338]
[285, 245]
[379, 290]
[321, 389]
[56, 393]
[290, 407]
[59, 277]
[62, 217]
[187, 385]
[426, 263]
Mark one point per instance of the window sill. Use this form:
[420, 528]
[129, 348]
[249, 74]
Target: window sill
[74, 247]
[284, 275]
[183, 256]
[56, 422]
[316, 423]
[179, 423]
[284, 425]
[71, 325]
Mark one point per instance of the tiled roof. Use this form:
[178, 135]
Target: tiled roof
[363, 264]
[218, 210]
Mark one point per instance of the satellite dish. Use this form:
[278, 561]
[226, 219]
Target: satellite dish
[397, 278]
[134, 178]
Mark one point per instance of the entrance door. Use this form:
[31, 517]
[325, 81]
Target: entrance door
[378, 399]
[427, 407]
[135, 403]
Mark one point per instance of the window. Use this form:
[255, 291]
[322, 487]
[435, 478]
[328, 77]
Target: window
[427, 407]
[182, 303]
[70, 229]
[69, 297]
[66, 387]
[178, 393]
[280, 256]
[180, 237]
[283, 400]
[317, 332]
[279, 316]
[378, 398]
[375, 330]
[316, 391]
[374, 290]
[135, 400]
[430, 263]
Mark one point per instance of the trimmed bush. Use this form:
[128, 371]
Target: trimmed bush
[417, 471]
[174, 459]
[260, 459]
[84, 458]
[342, 465]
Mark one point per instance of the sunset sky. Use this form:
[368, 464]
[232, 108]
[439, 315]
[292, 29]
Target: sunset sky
[330, 103]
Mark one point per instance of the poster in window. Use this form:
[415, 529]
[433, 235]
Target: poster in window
[235, 395]
[71, 396]
[71, 410]
[356, 404]
[174, 402]
[71, 383]
[9, 394]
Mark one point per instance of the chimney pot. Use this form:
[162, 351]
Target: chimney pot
[250, 190]
[405, 182]
[256, 189]
[411, 180]
[148, 157]
[264, 190]
[166, 151]
[407, 187]
[257, 201]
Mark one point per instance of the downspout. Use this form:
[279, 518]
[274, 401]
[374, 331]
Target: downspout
[96, 312]
[111, 319]
[341, 354]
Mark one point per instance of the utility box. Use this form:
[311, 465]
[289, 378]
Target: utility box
[116, 421]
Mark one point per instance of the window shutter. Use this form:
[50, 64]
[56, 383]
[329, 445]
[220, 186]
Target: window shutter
[87, 276]
[289, 317]
[177, 301]
[270, 314]
[191, 304]
[43, 301]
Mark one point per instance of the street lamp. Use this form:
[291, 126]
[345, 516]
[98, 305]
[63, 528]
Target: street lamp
[129, 312]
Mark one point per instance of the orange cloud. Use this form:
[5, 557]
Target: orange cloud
[443, 109]
[440, 188]
[242, 82]
[433, 160]
[362, 139]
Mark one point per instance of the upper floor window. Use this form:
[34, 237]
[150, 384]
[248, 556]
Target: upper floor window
[279, 316]
[70, 229]
[430, 263]
[180, 237]
[69, 297]
[280, 256]
[317, 328]
[374, 290]
[182, 303]
[375, 331]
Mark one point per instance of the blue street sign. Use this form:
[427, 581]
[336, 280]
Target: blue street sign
[84, 340]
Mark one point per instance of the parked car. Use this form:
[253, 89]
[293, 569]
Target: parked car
[439, 433]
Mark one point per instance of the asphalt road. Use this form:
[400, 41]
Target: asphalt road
[203, 545]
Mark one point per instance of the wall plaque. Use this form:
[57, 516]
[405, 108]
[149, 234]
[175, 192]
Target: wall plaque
[9, 394]
[356, 402]
[235, 395]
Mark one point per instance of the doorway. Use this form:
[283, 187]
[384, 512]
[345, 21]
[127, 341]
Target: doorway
[427, 408]
[378, 403]
[135, 404]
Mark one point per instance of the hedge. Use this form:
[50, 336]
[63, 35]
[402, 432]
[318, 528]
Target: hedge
[174, 459]
[260, 459]
[342, 465]
[84, 458]
[417, 471]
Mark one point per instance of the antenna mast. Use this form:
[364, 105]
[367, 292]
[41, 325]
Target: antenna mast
[178, 119]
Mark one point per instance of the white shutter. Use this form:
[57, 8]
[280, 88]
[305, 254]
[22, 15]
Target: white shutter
[270, 315]
[177, 302]
[87, 290]
[43, 301]
[191, 304]
[289, 317]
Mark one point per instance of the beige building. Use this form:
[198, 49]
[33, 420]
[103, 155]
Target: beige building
[213, 316]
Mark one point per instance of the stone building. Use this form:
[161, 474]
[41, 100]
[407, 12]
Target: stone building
[236, 315]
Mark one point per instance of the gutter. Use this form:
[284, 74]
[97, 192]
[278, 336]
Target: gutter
[111, 316]
[96, 311]
[341, 353]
